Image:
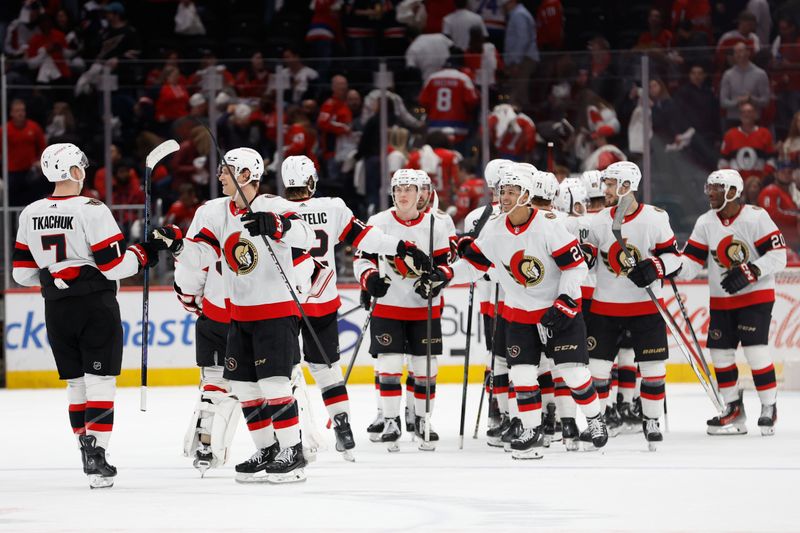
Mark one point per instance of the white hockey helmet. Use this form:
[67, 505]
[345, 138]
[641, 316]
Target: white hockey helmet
[57, 160]
[406, 176]
[624, 171]
[520, 175]
[296, 170]
[424, 178]
[493, 171]
[593, 181]
[728, 178]
[245, 158]
[545, 185]
[571, 194]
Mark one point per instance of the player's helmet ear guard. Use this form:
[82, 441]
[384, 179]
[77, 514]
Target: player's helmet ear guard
[244, 158]
[407, 176]
[494, 170]
[593, 181]
[571, 194]
[296, 170]
[729, 179]
[58, 159]
[624, 171]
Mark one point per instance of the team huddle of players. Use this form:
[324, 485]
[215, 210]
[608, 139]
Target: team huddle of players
[561, 301]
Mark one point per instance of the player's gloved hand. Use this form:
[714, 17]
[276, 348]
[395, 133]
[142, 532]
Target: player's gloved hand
[589, 253]
[271, 225]
[740, 277]
[365, 299]
[168, 237]
[646, 271]
[146, 253]
[191, 302]
[558, 317]
[434, 282]
[374, 284]
[464, 243]
[416, 259]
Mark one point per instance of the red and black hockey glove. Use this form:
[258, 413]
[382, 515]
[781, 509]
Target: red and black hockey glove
[193, 303]
[168, 237]
[365, 299]
[416, 259]
[268, 224]
[559, 316]
[647, 271]
[740, 277]
[464, 243]
[374, 284]
[146, 253]
[434, 282]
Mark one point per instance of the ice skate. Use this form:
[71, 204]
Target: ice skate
[203, 459]
[101, 474]
[549, 424]
[425, 445]
[344, 436]
[766, 422]
[733, 421]
[391, 433]
[631, 423]
[586, 438]
[612, 420]
[652, 433]
[598, 431]
[569, 434]
[495, 417]
[514, 430]
[376, 428]
[410, 420]
[252, 470]
[528, 445]
[288, 466]
[496, 433]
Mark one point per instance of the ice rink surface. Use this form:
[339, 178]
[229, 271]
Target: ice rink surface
[692, 483]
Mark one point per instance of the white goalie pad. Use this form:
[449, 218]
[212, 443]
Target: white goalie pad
[213, 424]
[312, 438]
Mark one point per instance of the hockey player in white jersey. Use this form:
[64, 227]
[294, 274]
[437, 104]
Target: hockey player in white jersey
[398, 325]
[540, 266]
[263, 336]
[71, 246]
[619, 299]
[746, 249]
[333, 222]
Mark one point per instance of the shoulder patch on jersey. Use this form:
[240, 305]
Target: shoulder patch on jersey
[755, 208]
[550, 215]
[92, 201]
[658, 209]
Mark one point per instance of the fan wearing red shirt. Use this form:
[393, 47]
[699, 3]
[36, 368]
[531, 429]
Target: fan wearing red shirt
[550, 25]
[748, 148]
[449, 98]
[471, 194]
[25, 145]
[334, 120]
[512, 134]
[778, 199]
[209, 61]
[437, 10]
[698, 12]
[299, 138]
[50, 42]
[181, 212]
[657, 36]
[173, 98]
[251, 82]
[441, 163]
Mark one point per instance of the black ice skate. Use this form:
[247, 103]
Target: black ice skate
[419, 431]
[733, 421]
[494, 434]
[344, 436]
[514, 430]
[529, 444]
[101, 474]
[288, 466]
[569, 434]
[252, 470]
[613, 420]
[410, 420]
[766, 422]
[549, 424]
[391, 433]
[376, 428]
[631, 422]
[203, 459]
[652, 433]
[598, 431]
[494, 412]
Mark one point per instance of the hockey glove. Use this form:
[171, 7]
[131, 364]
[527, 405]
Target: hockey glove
[168, 237]
[374, 284]
[146, 253]
[589, 253]
[271, 225]
[365, 299]
[433, 283]
[464, 243]
[740, 277]
[416, 259]
[646, 271]
[558, 317]
[193, 303]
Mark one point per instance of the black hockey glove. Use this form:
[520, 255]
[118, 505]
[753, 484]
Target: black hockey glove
[146, 253]
[464, 243]
[193, 303]
[740, 277]
[168, 237]
[646, 271]
[558, 317]
[589, 253]
[271, 225]
[434, 282]
[365, 299]
[374, 284]
[416, 259]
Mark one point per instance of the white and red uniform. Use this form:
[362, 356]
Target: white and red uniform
[484, 288]
[752, 154]
[441, 165]
[449, 97]
[515, 140]
[604, 156]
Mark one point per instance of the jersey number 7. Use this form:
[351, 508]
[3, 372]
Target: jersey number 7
[59, 242]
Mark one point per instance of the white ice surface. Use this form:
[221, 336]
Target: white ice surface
[693, 482]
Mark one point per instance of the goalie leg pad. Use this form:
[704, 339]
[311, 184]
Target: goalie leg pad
[214, 421]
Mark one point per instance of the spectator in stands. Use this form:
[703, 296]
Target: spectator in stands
[22, 29]
[126, 191]
[440, 161]
[785, 72]
[780, 199]
[119, 42]
[182, 211]
[173, 98]
[208, 64]
[323, 33]
[512, 135]
[45, 54]
[696, 12]
[436, 11]
[471, 193]
[697, 107]
[550, 25]
[361, 23]
[520, 51]
[789, 149]
[155, 77]
[494, 18]
[187, 20]
[404, 117]
[398, 149]
[251, 82]
[748, 148]
[301, 75]
[601, 123]
[334, 122]
[761, 11]
[300, 138]
[744, 33]
[449, 97]
[117, 162]
[478, 51]
[690, 46]
[428, 53]
[198, 107]
[599, 74]
[190, 164]
[656, 36]
[743, 82]
[74, 47]
[458, 24]
[237, 129]
[25, 145]
[61, 125]
[394, 37]
[369, 155]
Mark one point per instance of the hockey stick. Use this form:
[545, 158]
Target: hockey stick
[351, 364]
[428, 355]
[490, 377]
[348, 312]
[616, 229]
[466, 368]
[156, 154]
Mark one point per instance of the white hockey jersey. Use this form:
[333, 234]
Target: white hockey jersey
[485, 289]
[447, 221]
[591, 278]
[254, 289]
[646, 233]
[401, 302]
[535, 263]
[751, 236]
[578, 227]
[75, 238]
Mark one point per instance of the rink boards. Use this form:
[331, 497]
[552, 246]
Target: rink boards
[29, 361]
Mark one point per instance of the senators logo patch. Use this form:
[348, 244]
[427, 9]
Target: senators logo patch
[231, 364]
[526, 270]
[730, 253]
[240, 254]
[615, 261]
[384, 339]
[401, 268]
[715, 334]
[591, 343]
[551, 216]
[94, 202]
[513, 351]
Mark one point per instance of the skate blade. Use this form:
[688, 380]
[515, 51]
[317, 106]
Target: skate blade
[258, 477]
[767, 431]
[427, 446]
[310, 454]
[347, 455]
[652, 446]
[97, 481]
[571, 445]
[546, 440]
[613, 432]
[727, 430]
[507, 447]
[495, 443]
[524, 455]
[295, 476]
[374, 437]
[392, 447]
[202, 465]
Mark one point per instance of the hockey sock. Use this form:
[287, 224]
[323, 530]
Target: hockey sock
[547, 387]
[513, 410]
[600, 370]
[565, 405]
[211, 379]
[614, 389]
[419, 365]
[581, 386]
[390, 368]
[501, 384]
[653, 388]
[727, 373]
[627, 382]
[282, 409]
[763, 373]
[76, 396]
[100, 391]
[529, 397]
[410, 388]
[330, 383]
[256, 413]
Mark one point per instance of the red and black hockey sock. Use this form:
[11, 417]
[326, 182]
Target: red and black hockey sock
[653, 391]
[529, 404]
[259, 422]
[420, 384]
[728, 381]
[602, 387]
[335, 398]
[99, 419]
[614, 389]
[766, 384]
[627, 382]
[391, 391]
[546, 385]
[410, 390]
[501, 392]
[586, 396]
[565, 405]
[77, 418]
[285, 420]
[513, 411]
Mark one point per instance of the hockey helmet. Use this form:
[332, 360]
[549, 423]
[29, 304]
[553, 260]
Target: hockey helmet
[593, 181]
[244, 158]
[520, 175]
[57, 160]
[624, 171]
[545, 185]
[571, 194]
[296, 170]
[405, 177]
[728, 178]
[494, 169]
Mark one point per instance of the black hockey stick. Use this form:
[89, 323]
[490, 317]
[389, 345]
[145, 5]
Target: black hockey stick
[490, 377]
[352, 363]
[348, 312]
[429, 325]
[156, 154]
